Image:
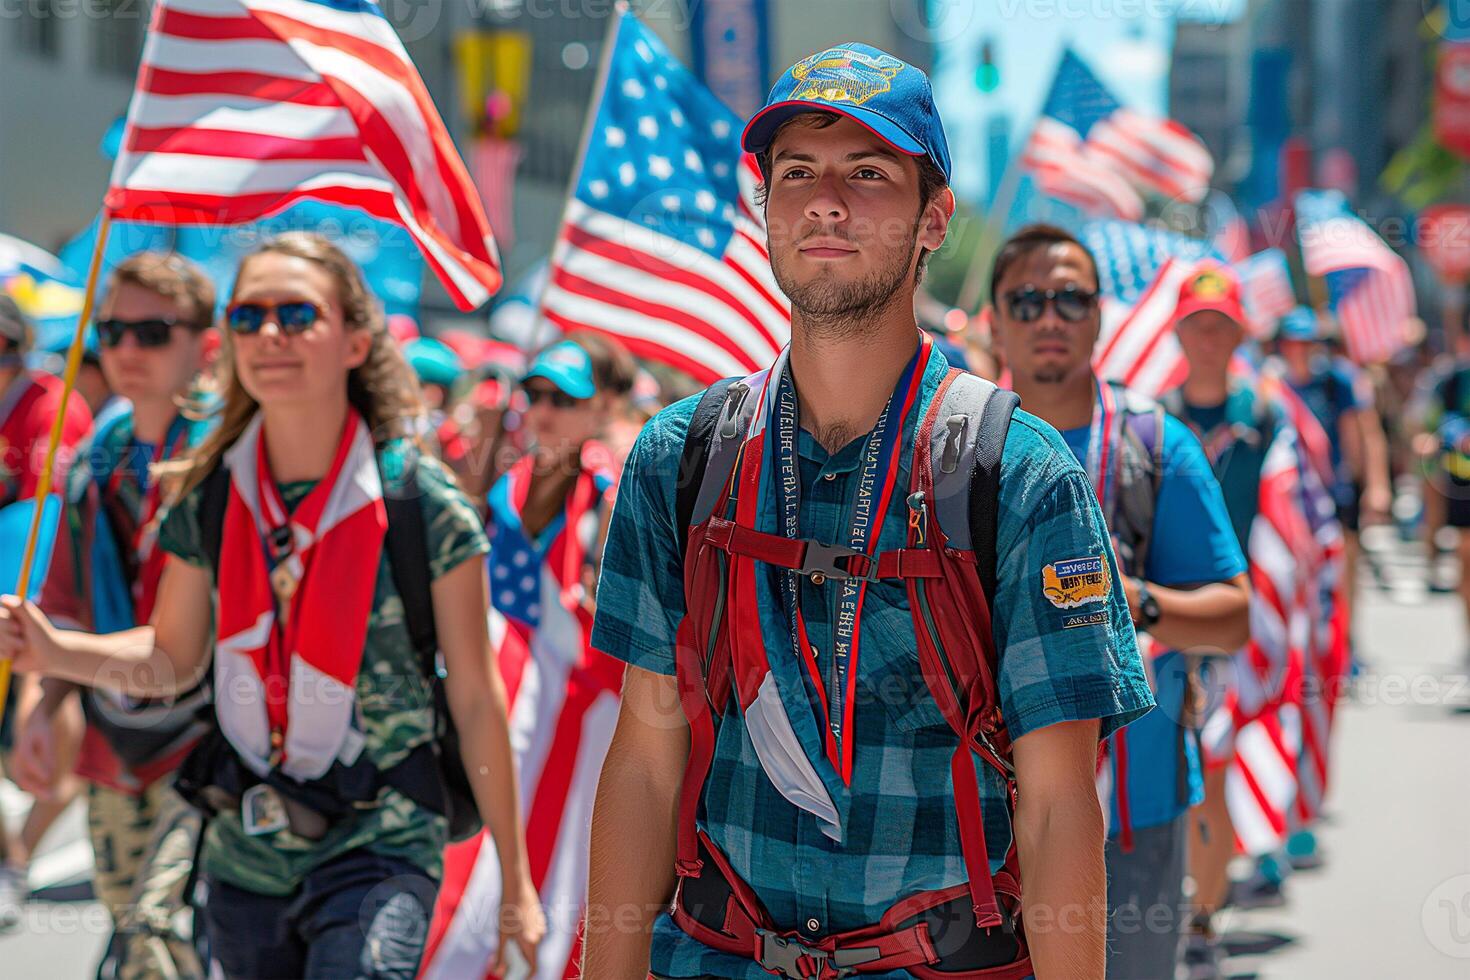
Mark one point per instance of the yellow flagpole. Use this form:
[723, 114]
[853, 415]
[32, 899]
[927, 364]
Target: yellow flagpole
[69, 380]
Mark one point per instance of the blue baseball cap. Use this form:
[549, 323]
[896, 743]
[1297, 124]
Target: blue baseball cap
[567, 365]
[1300, 324]
[434, 361]
[871, 87]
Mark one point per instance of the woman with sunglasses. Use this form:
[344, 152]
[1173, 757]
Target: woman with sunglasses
[547, 519]
[316, 865]
[156, 314]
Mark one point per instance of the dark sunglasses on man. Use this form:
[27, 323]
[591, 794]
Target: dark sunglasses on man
[154, 332]
[1028, 304]
[293, 318]
[558, 398]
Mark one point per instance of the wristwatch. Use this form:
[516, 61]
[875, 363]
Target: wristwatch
[1148, 606]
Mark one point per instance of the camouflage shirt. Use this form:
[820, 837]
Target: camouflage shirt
[394, 702]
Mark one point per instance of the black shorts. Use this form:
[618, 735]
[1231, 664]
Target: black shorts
[1457, 501]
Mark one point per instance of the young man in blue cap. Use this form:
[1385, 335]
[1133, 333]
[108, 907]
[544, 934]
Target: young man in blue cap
[787, 758]
[1184, 573]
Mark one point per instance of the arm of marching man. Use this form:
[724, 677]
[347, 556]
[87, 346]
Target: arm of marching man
[637, 799]
[640, 602]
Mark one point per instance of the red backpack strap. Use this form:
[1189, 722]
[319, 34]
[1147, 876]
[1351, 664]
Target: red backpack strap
[952, 612]
[702, 653]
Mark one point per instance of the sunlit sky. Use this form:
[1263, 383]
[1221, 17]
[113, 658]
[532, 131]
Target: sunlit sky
[1128, 44]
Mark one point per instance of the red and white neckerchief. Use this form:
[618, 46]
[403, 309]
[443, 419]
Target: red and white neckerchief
[295, 593]
[145, 534]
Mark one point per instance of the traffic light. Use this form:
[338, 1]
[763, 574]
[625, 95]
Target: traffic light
[987, 73]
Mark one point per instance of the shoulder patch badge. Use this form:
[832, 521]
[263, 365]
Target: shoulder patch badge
[1076, 581]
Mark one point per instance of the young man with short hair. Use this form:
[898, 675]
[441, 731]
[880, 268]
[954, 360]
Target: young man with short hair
[833, 821]
[103, 578]
[1184, 574]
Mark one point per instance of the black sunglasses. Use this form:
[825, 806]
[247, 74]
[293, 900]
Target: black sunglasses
[1028, 304]
[156, 332]
[559, 398]
[293, 318]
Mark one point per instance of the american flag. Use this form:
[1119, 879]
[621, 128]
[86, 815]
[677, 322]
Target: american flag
[1261, 783]
[563, 698]
[1140, 272]
[1368, 284]
[1092, 151]
[243, 107]
[662, 244]
[1265, 283]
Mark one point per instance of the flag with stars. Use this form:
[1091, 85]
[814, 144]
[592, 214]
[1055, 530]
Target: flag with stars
[662, 245]
[1140, 271]
[1090, 150]
[563, 699]
[1368, 283]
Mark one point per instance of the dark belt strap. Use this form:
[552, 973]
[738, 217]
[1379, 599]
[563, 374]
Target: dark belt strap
[821, 562]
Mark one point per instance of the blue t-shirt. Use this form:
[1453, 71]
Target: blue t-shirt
[1193, 543]
[1336, 387]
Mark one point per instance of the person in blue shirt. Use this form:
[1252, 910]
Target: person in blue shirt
[1341, 397]
[854, 202]
[1183, 570]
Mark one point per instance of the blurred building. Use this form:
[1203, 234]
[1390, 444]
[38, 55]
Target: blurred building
[1321, 91]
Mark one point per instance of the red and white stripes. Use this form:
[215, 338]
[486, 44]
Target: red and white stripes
[244, 106]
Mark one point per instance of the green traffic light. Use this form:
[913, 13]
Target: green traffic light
[987, 78]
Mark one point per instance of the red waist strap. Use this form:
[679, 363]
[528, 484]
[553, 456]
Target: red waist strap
[747, 931]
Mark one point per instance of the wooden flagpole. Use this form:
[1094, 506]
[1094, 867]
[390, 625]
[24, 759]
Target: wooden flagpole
[69, 380]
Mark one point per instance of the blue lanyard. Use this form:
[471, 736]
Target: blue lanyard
[876, 477]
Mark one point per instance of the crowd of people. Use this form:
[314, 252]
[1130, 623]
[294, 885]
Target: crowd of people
[882, 639]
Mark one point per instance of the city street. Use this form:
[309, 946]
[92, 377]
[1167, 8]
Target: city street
[1390, 901]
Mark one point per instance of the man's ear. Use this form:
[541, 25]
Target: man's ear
[935, 224]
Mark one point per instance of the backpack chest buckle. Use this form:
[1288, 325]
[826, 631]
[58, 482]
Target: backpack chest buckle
[821, 562]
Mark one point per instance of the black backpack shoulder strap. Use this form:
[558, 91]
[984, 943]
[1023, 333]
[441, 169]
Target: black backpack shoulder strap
[214, 496]
[407, 544]
[701, 442]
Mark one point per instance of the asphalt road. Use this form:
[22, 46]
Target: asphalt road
[1392, 899]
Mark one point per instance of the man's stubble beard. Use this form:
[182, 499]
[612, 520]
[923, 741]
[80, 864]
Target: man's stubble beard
[841, 310]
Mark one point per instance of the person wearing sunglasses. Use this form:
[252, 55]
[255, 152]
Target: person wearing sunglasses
[29, 403]
[1181, 568]
[546, 518]
[322, 773]
[154, 317]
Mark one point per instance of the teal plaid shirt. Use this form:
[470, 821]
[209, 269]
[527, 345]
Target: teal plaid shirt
[901, 835]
